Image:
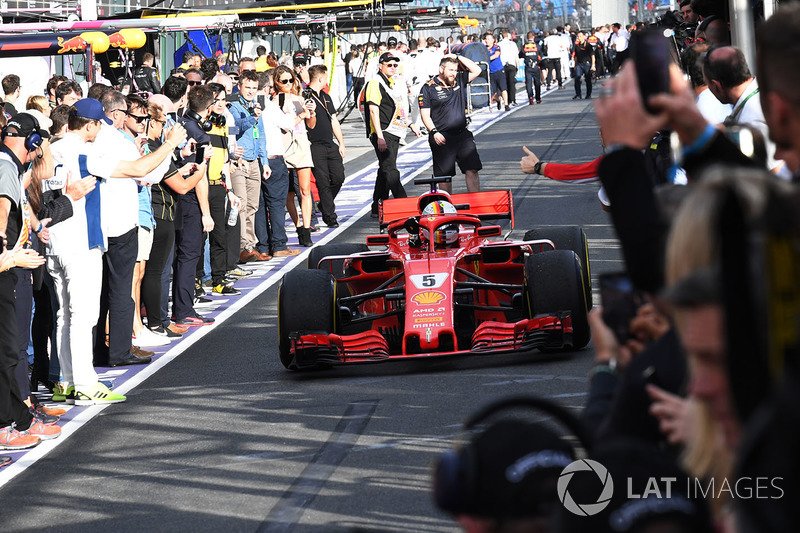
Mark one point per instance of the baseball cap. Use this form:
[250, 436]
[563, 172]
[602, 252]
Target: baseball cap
[91, 109]
[392, 41]
[300, 58]
[388, 56]
[23, 124]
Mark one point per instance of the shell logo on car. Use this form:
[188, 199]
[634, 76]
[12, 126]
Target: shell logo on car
[428, 297]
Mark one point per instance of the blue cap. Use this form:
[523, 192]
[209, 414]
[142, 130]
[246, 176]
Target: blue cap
[91, 109]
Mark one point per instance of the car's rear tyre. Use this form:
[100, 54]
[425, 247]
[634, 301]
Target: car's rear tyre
[346, 248]
[306, 302]
[569, 238]
[554, 283]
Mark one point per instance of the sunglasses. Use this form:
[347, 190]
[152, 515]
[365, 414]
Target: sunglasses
[138, 118]
[392, 65]
[249, 70]
[286, 80]
[190, 83]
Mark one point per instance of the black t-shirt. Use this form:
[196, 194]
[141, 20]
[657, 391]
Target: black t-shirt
[322, 132]
[447, 104]
[583, 52]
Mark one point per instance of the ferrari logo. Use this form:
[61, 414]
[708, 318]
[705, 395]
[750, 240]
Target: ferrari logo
[428, 297]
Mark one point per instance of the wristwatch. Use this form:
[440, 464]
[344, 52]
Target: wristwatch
[434, 131]
[537, 168]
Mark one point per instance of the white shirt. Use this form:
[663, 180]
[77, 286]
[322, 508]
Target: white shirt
[355, 66]
[620, 39]
[427, 65]
[72, 234]
[566, 44]
[553, 45]
[712, 109]
[120, 196]
[509, 53]
[274, 121]
[750, 113]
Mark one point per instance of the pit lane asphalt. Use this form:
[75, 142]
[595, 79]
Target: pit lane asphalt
[224, 439]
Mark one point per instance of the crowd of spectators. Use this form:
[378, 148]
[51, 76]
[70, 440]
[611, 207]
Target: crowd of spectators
[121, 200]
[692, 406]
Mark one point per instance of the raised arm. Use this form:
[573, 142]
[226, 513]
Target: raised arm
[145, 165]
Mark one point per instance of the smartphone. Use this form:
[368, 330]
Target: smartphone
[199, 156]
[651, 57]
[620, 302]
[262, 101]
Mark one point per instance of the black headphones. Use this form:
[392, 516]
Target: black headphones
[204, 123]
[33, 141]
[456, 476]
[216, 119]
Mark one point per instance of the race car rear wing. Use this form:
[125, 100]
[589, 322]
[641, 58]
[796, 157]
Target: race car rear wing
[486, 205]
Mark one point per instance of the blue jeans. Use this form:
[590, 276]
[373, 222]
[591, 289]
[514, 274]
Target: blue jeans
[271, 215]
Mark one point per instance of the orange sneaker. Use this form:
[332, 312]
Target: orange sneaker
[42, 430]
[49, 411]
[11, 439]
[175, 328]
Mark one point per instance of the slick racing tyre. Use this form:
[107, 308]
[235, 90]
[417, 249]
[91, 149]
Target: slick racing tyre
[554, 283]
[568, 238]
[305, 304]
[346, 248]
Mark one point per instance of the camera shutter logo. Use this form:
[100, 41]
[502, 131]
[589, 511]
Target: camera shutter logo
[586, 509]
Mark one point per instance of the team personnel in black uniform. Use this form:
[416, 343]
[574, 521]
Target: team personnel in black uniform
[532, 55]
[584, 65]
[443, 103]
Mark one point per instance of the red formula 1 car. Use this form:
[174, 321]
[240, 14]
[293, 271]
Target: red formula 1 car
[437, 286]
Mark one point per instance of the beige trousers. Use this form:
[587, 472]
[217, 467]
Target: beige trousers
[246, 180]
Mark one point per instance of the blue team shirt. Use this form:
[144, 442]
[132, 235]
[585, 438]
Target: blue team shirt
[495, 64]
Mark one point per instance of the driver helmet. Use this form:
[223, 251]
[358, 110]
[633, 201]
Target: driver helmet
[444, 235]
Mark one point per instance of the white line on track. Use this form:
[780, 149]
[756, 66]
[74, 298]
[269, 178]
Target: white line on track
[29, 457]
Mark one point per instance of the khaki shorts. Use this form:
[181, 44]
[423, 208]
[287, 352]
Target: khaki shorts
[145, 244]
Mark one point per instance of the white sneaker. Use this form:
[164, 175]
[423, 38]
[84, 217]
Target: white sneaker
[149, 339]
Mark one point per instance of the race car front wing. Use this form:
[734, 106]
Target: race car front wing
[313, 349]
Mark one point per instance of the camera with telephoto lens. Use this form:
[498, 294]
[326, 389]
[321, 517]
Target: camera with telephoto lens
[683, 31]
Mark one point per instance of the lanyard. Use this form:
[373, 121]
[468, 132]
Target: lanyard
[739, 108]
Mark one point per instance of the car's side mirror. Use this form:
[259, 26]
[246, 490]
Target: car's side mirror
[488, 231]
